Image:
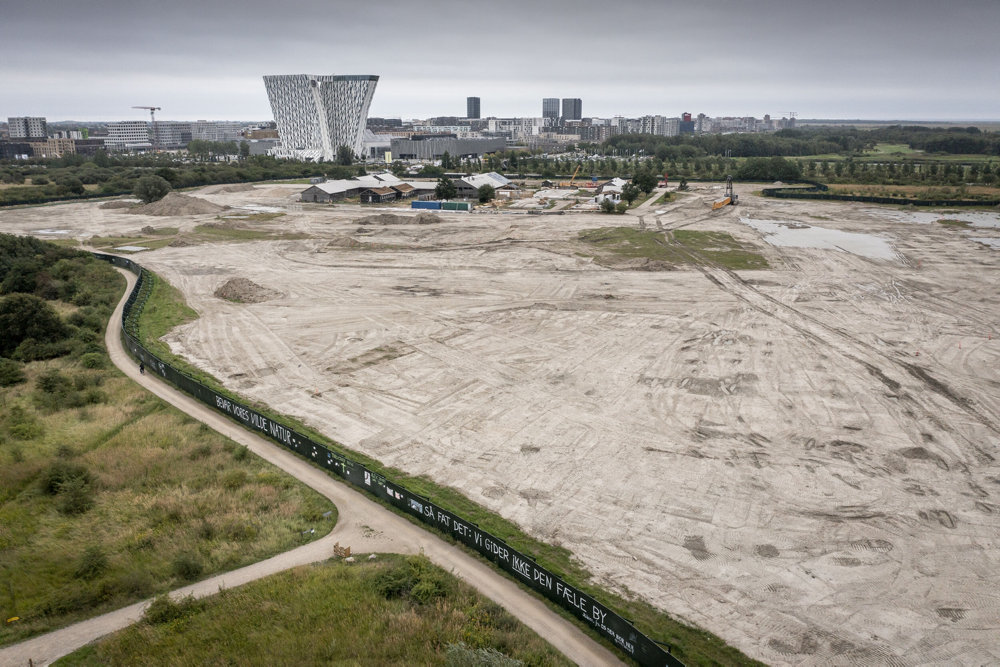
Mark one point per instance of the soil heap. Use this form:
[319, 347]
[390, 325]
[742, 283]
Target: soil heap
[242, 290]
[422, 218]
[178, 204]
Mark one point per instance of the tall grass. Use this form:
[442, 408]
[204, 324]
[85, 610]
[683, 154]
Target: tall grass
[334, 613]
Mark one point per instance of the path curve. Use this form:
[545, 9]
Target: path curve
[362, 524]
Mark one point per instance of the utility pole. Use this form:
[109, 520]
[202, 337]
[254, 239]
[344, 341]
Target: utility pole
[154, 136]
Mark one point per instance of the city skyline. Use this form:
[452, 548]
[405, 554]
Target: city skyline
[879, 60]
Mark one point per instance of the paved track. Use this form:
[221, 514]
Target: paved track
[363, 524]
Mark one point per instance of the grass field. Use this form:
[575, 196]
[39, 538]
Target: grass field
[391, 611]
[918, 191]
[676, 248]
[108, 495]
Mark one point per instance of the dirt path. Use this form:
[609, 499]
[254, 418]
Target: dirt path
[362, 524]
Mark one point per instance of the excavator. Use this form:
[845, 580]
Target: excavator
[731, 197]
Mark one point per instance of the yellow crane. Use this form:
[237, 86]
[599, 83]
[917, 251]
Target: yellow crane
[570, 184]
[730, 199]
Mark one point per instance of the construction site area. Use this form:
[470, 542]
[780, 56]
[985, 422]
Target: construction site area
[776, 420]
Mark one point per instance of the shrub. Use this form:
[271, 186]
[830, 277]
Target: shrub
[75, 496]
[24, 317]
[151, 188]
[92, 360]
[92, 563]
[11, 373]
[52, 381]
[187, 566]
[461, 655]
[60, 473]
[163, 609]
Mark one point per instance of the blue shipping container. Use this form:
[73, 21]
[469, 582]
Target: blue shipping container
[425, 204]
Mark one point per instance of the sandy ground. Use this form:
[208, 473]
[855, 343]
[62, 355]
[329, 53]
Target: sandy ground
[801, 460]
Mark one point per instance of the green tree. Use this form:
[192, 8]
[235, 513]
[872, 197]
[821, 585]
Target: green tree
[151, 188]
[244, 150]
[446, 160]
[485, 193]
[101, 159]
[24, 316]
[345, 156]
[445, 189]
[607, 205]
[630, 193]
[646, 181]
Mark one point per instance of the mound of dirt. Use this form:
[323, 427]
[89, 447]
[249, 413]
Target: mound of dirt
[242, 290]
[222, 189]
[344, 242]
[119, 203]
[178, 204]
[179, 243]
[422, 218]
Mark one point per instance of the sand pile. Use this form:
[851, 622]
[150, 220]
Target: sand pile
[222, 189]
[119, 203]
[345, 242]
[178, 204]
[242, 290]
[422, 218]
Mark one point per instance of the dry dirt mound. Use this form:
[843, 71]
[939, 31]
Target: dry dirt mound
[178, 204]
[222, 189]
[344, 242]
[119, 203]
[422, 218]
[242, 290]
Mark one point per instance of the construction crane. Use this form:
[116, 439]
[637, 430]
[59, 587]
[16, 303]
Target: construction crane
[152, 120]
[731, 197]
[570, 184]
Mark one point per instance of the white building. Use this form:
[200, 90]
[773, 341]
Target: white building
[316, 114]
[27, 127]
[216, 130]
[518, 128]
[127, 135]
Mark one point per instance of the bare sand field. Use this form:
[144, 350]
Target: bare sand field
[802, 459]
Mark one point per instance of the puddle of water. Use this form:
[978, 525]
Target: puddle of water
[801, 235]
[985, 219]
[257, 208]
[131, 248]
[993, 243]
[53, 232]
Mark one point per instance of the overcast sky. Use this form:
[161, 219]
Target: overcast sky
[204, 59]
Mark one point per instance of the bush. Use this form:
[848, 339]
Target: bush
[163, 609]
[187, 566]
[60, 473]
[24, 317]
[11, 373]
[92, 563]
[92, 360]
[52, 381]
[151, 188]
[75, 497]
[461, 655]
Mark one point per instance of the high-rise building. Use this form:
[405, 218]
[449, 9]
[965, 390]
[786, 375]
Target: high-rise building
[472, 107]
[317, 114]
[27, 127]
[550, 107]
[572, 108]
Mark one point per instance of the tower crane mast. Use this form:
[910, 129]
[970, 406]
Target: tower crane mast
[152, 120]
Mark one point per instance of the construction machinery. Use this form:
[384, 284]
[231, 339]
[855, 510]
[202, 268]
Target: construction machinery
[731, 197]
[153, 136]
[570, 184]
